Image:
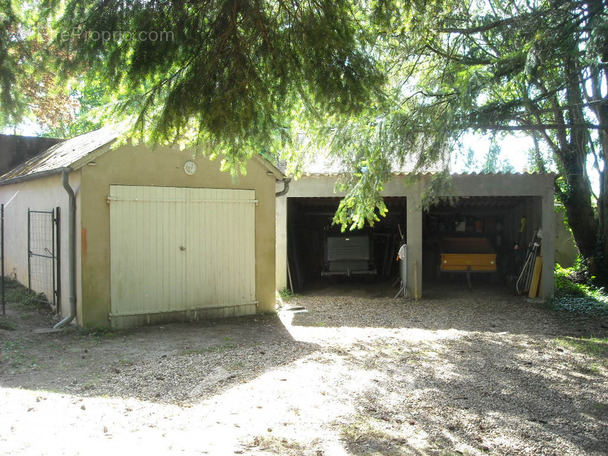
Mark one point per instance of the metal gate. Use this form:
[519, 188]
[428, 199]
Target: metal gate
[43, 245]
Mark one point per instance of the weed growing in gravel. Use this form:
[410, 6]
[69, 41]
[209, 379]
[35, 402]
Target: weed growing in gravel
[7, 324]
[97, 332]
[203, 350]
[287, 294]
[236, 366]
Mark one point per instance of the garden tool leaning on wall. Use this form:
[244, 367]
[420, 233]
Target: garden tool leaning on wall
[525, 277]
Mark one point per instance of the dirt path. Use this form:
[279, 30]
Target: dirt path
[477, 374]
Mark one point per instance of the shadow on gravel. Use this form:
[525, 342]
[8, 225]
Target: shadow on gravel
[500, 384]
[172, 363]
[481, 396]
[485, 308]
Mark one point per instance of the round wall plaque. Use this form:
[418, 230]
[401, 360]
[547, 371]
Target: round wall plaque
[190, 168]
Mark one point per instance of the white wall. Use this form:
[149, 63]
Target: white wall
[42, 194]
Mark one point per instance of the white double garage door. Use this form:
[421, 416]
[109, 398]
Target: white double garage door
[181, 249]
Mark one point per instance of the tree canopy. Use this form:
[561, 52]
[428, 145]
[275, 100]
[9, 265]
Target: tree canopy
[376, 82]
[228, 76]
[539, 67]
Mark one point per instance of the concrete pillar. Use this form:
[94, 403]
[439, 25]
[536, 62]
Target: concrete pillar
[548, 243]
[414, 244]
[281, 243]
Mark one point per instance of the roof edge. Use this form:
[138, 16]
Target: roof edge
[93, 155]
[269, 166]
[434, 173]
[40, 175]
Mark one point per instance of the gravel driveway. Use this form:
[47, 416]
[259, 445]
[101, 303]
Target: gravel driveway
[479, 372]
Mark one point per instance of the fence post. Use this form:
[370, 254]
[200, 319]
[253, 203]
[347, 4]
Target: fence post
[58, 256]
[2, 256]
[29, 252]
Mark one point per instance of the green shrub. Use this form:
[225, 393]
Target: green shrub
[573, 293]
[566, 284]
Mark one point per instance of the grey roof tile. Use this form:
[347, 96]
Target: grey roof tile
[62, 155]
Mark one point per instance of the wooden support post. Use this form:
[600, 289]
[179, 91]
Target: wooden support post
[535, 283]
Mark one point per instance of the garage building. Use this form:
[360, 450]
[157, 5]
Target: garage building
[157, 234]
[502, 211]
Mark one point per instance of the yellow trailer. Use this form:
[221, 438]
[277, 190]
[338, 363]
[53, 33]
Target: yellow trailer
[467, 255]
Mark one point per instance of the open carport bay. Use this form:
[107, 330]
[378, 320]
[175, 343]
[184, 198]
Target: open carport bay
[504, 225]
[320, 254]
[499, 228]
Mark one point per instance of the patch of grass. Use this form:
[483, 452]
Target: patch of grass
[6, 324]
[596, 348]
[364, 432]
[20, 294]
[276, 445]
[592, 346]
[16, 352]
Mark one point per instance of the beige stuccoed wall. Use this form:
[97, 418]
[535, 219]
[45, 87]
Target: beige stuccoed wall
[162, 166]
[565, 246]
[42, 194]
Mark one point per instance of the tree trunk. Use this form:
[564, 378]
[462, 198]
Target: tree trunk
[581, 217]
[577, 197]
[600, 269]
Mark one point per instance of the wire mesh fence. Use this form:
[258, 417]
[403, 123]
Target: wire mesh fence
[42, 259]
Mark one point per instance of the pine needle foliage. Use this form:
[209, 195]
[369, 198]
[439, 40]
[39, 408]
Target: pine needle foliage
[377, 83]
[222, 74]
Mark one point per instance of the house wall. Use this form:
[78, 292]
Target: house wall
[538, 187]
[42, 194]
[162, 166]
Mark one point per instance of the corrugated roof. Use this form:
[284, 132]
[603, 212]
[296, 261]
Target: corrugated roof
[321, 164]
[62, 155]
[434, 173]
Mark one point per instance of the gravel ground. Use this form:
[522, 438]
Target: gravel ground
[477, 373]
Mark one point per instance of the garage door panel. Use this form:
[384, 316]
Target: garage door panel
[220, 269]
[147, 264]
[176, 249]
